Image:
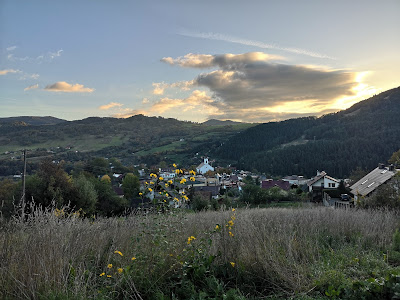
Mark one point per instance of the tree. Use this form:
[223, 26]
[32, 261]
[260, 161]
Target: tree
[108, 203]
[106, 178]
[130, 186]
[395, 159]
[50, 184]
[98, 166]
[86, 197]
[7, 193]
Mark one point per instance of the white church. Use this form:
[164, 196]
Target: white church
[204, 167]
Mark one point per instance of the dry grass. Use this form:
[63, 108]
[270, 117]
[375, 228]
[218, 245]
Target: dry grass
[280, 249]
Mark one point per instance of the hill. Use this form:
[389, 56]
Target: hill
[138, 139]
[361, 136]
[214, 122]
[32, 120]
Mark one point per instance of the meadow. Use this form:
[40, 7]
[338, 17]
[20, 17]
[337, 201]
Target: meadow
[273, 253]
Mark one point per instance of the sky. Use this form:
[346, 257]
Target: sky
[249, 61]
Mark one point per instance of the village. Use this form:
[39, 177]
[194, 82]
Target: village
[212, 183]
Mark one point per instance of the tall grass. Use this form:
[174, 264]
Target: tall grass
[284, 251]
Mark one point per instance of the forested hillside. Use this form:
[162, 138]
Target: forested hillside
[362, 136]
[135, 140]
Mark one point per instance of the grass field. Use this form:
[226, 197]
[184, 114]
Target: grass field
[279, 253]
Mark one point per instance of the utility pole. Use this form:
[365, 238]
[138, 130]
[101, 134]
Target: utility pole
[23, 180]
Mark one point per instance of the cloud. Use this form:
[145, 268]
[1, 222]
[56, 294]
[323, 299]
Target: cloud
[11, 48]
[258, 44]
[160, 87]
[196, 100]
[46, 57]
[31, 87]
[252, 87]
[110, 105]
[29, 76]
[6, 71]
[223, 60]
[63, 86]
[145, 101]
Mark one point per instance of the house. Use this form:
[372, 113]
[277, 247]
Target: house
[370, 182]
[322, 181]
[212, 190]
[283, 185]
[204, 167]
[119, 191]
[295, 180]
[319, 183]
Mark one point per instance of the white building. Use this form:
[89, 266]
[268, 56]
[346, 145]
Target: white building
[204, 167]
[322, 181]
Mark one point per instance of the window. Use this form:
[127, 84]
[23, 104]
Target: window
[331, 185]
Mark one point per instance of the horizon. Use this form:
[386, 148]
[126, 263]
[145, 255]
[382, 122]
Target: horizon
[162, 59]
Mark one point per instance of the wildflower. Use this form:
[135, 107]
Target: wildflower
[118, 252]
[183, 181]
[233, 209]
[192, 172]
[160, 193]
[177, 171]
[217, 227]
[160, 178]
[170, 182]
[150, 189]
[109, 266]
[146, 183]
[176, 199]
[186, 198]
[102, 274]
[140, 194]
[174, 165]
[192, 179]
[230, 234]
[133, 258]
[166, 195]
[153, 175]
[190, 239]
[120, 270]
[109, 276]
[233, 264]
[166, 185]
[151, 182]
[230, 223]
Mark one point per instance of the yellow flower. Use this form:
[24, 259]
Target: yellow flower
[146, 183]
[177, 171]
[170, 182]
[109, 276]
[174, 165]
[192, 172]
[233, 209]
[183, 180]
[231, 234]
[233, 264]
[151, 182]
[140, 194]
[160, 193]
[120, 270]
[190, 239]
[109, 266]
[118, 252]
[230, 223]
[166, 195]
[192, 179]
[102, 274]
[153, 175]
[216, 227]
[150, 190]
[160, 178]
[176, 199]
[166, 185]
[186, 198]
[133, 258]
